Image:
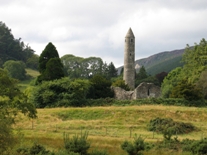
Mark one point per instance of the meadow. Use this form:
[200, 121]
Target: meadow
[108, 126]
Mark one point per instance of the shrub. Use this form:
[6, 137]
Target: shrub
[167, 125]
[199, 147]
[134, 148]
[196, 147]
[121, 83]
[77, 144]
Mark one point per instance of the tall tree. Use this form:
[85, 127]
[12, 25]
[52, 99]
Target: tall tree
[32, 62]
[171, 81]
[142, 74]
[54, 69]
[195, 62]
[49, 52]
[11, 48]
[12, 101]
[112, 71]
[16, 69]
[160, 77]
[50, 65]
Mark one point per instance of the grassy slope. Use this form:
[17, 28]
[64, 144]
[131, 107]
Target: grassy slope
[108, 126]
[33, 73]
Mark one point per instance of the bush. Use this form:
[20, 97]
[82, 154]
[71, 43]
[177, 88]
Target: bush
[167, 125]
[121, 83]
[100, 88]
[77, 144]
[199, 147]
[134, 148]
[196, 147]
[37, 149]
[62, 92]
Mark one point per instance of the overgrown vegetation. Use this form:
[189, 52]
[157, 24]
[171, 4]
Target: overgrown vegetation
[163, 125]
[134, 148]
[185, 82]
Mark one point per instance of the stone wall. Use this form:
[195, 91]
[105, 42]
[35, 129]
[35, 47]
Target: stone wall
[144, 90]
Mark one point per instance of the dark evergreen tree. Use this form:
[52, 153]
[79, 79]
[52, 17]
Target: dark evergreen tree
[49, 52]
[50, 66]
[54, 69]
[112, 71]
[142, 74]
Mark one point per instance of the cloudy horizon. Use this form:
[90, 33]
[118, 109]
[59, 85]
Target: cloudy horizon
[98, 28]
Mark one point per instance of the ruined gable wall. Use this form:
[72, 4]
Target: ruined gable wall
[144, 90]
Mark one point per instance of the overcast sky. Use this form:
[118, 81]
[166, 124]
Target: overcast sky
[97, 28]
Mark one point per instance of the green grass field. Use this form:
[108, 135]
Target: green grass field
[108, 126]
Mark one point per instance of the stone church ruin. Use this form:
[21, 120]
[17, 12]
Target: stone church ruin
[144, 90]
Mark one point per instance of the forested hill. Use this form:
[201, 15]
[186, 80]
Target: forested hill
[160, 62]
[15, 49]
[164, 61]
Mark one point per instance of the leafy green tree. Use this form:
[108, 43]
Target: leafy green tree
[72, 66]
[12, 101]
[32, 62]
[170, 81]
[100, 87]
[121, 83]
[78, 67]
[202, 83]
[15, 69]
[195, 60]
[11, 48]
[186, 90]
[50, 66]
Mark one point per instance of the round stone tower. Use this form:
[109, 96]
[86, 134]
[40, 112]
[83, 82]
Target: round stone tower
[129, 59]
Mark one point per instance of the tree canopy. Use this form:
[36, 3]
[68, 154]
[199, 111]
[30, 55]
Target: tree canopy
[195, 63]
[11, 48]
[78, 67]
[15, 69]
[12, 101]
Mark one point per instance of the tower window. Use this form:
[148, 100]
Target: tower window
[131, 40]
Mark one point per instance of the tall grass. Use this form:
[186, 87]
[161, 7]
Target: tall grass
[108, 126]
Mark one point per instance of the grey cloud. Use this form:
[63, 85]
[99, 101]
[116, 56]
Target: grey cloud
[97, 27]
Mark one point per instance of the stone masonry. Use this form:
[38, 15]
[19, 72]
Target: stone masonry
[144, 90]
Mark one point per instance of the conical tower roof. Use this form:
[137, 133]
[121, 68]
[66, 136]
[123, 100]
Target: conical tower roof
[130, 33]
